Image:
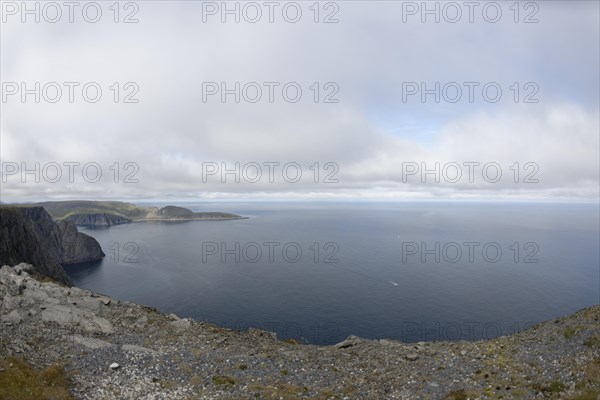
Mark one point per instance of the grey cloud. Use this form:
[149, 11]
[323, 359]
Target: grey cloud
[171, 132]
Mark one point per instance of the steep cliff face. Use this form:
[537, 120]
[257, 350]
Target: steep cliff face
[98, 220]
[76, 247]
[29, 234]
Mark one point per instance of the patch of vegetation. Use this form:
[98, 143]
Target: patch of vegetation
[47, 279]
[196, 380]
[223, 380]
[116, 391]
[538, 388]
[167, 384]
[185, 369]
[197, 352]
[570, 332]
[349, 390]
[457, 395]
[553, 387]
[327, 394]
[587, 395]
[284, 371]
[556, 387]
[592, 341]
[590, 384]
[242, 367]
[64, 209]
[283, 391]
[19, 381]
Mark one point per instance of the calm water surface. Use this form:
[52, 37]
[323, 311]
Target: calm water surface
[318, 272]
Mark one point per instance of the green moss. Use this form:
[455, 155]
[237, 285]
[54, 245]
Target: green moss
[280, 391]
[19, 381]
[587, 395]
[457, 395]
[284, 371]
[591, 382]
[570, 332]
[557, 387]
[242, 367]
[592, 341]
[223, 380]
[349, 390]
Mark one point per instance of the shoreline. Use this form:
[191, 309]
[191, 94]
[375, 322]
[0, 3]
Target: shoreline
[187, 219]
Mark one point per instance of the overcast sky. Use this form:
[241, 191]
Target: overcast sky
[372, 141]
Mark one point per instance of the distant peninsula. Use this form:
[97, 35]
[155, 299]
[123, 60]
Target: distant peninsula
[100, 214]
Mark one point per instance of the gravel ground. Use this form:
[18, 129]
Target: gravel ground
[118, 350]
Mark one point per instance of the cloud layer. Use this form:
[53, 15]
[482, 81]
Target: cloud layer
[369, 141]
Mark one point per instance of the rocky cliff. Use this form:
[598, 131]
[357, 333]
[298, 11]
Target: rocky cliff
[101, 214]
[29, 234]
[102, 348]
[97, 220]
[171, 213]
[76, 247]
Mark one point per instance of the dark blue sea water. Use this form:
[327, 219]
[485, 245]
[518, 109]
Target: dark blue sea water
[318, 272]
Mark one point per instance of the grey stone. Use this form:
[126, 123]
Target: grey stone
[69, 316]
[12, 317]
[141, 322]
[11, 302]
[181, 324]
[90, 343]
[136, 349]
[86, 303]
[62, 315]
[23, 267]
[97, 325]
[15, 285]
[349, 342]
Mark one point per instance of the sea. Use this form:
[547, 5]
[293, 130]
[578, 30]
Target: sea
[318, 272]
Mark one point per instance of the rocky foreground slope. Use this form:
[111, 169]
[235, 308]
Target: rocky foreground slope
[108, 349]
